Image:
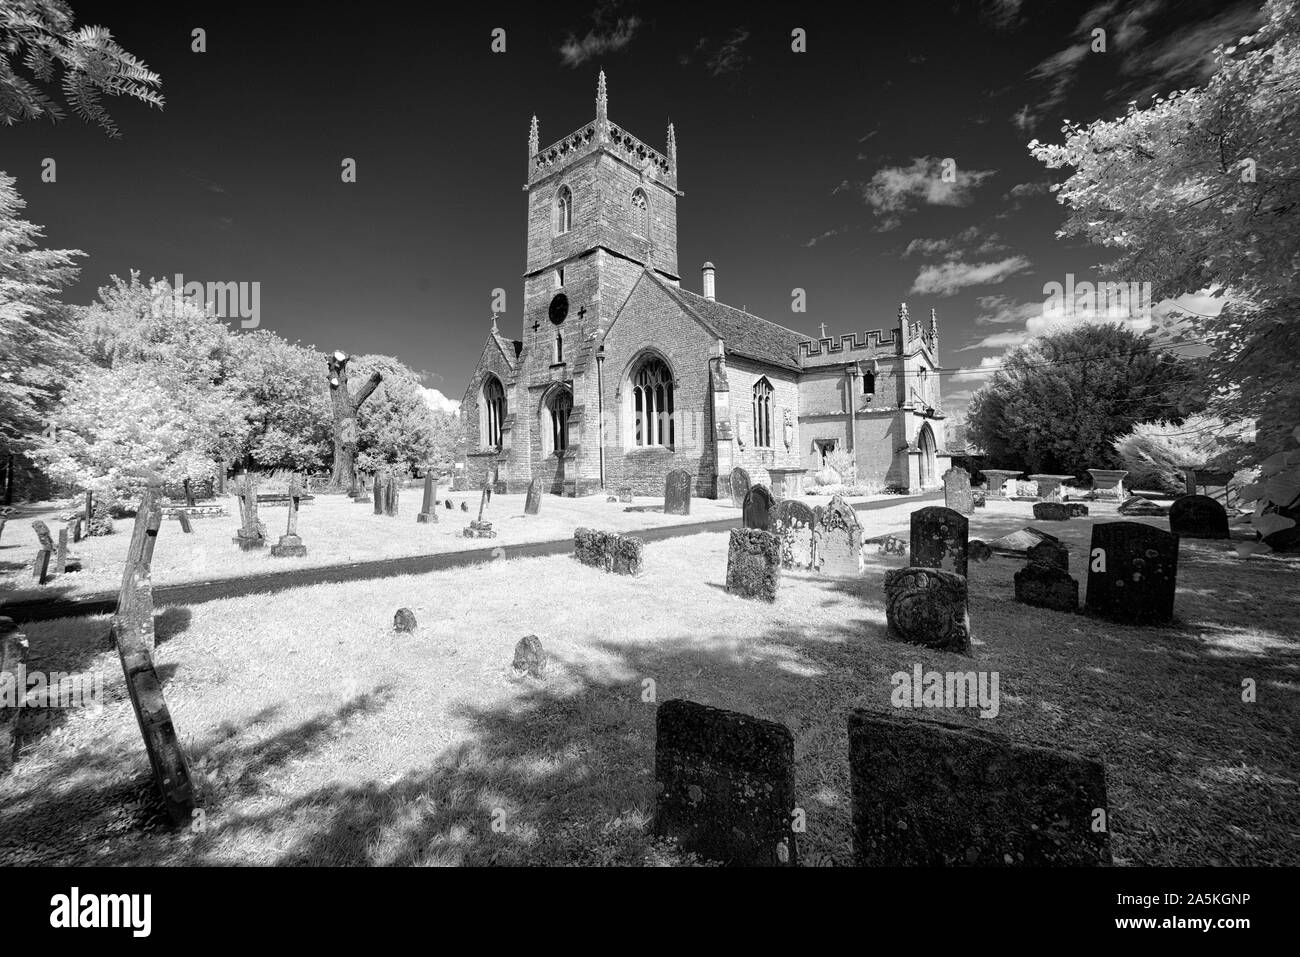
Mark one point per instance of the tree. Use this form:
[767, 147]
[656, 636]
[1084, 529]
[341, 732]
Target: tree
[40, 37]
[1201, 192]
[1058, 403]
[345, 406]
[1155, 453]
[396, 428]
[289, 417]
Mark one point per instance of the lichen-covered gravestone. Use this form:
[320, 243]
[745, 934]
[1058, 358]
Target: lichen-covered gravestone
[939, 539]
[428, 514]
[753, 564]
[404, 620]
[533, 500]
[530, 658]
[792, 522]
[725, 785]
[927, 606]
[1052, 512]
[620, 554]
[1049, 552]
[837, 540]
[756, 509]
[252, 533]
[1046, 582]
[378, 491]
[957, 493]
[1132, 573]
[677, 493]
[625, 493]
[1198, 516]
[740, 485]
[928, 794]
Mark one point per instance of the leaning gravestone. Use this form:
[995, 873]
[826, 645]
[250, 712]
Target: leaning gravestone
[957, 494]
[41, 569]
[1132, 573]
[677, 493]
[792, 522]
[740, 484]
[757, 508]
[1139, 507]
[939, 538]
[929, 793]
[754, 564]
[252, 533]
[837, 540]
[533, 501]
[43, 535]
[927, 606]
[428, 514]
[61, 553]
[1052, 512]
[1198, 516]
[184, 519]
[725, 785]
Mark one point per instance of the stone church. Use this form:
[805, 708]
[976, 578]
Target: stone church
[621, 375]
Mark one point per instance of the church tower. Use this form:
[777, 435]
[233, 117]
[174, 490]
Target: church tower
[602, 208]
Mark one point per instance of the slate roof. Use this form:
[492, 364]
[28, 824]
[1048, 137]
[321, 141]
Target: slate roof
[746, 335]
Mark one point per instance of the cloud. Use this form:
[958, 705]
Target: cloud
[1037, 188]
[1002, 14]
[729, 58]
[438, 402]
[829, 234]
[953, 276]
[969, 241]
[608, 34]
[1003, 310]
[987, 366]
[894, 191]
[999, 340]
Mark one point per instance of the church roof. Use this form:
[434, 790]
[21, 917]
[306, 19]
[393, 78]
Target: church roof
[746, 335]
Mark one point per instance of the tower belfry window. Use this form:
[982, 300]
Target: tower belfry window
[563, 210]
[640, 212]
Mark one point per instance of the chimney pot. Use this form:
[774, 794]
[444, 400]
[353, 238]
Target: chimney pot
[707, 270]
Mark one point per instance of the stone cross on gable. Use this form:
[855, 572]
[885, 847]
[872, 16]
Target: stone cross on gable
[823, 330]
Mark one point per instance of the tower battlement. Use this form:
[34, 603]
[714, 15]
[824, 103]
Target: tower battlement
[873, 340]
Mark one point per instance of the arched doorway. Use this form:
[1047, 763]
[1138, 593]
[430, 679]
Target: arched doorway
[925, 442]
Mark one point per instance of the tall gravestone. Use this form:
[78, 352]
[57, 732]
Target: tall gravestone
[725, 785]
[677, 493]
[756, 509]
[957, 494]
[928, 606]
[740, 485]
[378, 491]
[41, 569]
[1132, 573]
[837, 540]
[939, 539]
[533, 501]
[753, 564]
[1198, 516]
[290, 544]
[429, 507]
[392, 492]
[252, 533]
[929, 793]
[793, 523]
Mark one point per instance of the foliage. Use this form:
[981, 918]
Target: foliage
[36, 328]
[395, 425]
[1155, 453]
[1058, 403]
[41, 38]
[844, 465]
[1277, 501]
[289, 405]
[1201, 192]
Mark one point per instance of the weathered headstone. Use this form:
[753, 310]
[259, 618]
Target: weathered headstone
[530, 658]
[1049, 552]
[43, 536]
[378, 492]
[792, 522]
[927, 606]
[889, 545]
[1077, 509]
[41, 569]
[837, 540]
[754, 564]
[620, 554]
[13, 657]
[447, 504]
[625, 493]
[1047, 586]
[429, 507]
[75, 525]
[978, 550]
[184, 519]
[290, 545]
[1132, 573]
[61, 553]
[939, 539]
[404, 620]
[90, 509]
[252, 533]
[464, 506]
[957, 493]
[677, 493]
[979, 499]
[725, 785]
[740, 485]
[1198, 516]
[392, 492]
[533, 500]
[928, 793]
[1052, 512]
[756, 509]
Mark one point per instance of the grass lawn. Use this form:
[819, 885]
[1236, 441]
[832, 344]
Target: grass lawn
[318, 736]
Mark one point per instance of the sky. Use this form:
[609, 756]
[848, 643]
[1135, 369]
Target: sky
[820, 170]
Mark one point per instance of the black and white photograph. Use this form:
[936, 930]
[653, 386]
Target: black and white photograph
[624, 435]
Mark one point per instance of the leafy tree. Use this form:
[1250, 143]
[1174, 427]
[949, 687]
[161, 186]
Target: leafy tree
[1155, 453]
[396, 427]
[1058, 403]
[1201, 191]
[41, 38]
[289, 406]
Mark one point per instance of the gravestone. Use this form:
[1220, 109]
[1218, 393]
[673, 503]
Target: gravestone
[392, 492]
[725, 785]
[90, 509]
[1047, 586]
[41, 569]
[1139, 507]
[1049, 486]
[757, 508]
[753, 564]
[43, 536]
[61, 553]
[792, 522]
[252, 533]
[928, 606]
[979, 498]
[978, 551]
[464, 506]
[957, 494]
[620, 554]
[75, 525]
[530, 658]
[362, 496]
[184, 519]
[677, 493]
[837, 540]
[740, 485]
[1198, 516]
[997, 479]
[290, 545]
[1052, 512]
[939, 538]
[1132, 573]
[625, 493]
[1077, 509]
[2, 526]
[1049, 552]
[404, 620]
[1108, 483]
[929, 793]
[533, 501]
[378, 492]
[13, 658]
[890, 545]
[428, 514]
[447, 504]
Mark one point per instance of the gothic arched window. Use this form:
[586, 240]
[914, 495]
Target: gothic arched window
[559, 347]
[652, 404]
[492, 412]
[560, 405]
[640, 213]
[763, 413]
[563, 210]
[868, 383]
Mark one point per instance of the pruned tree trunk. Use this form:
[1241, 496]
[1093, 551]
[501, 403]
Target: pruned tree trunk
[345, 405]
